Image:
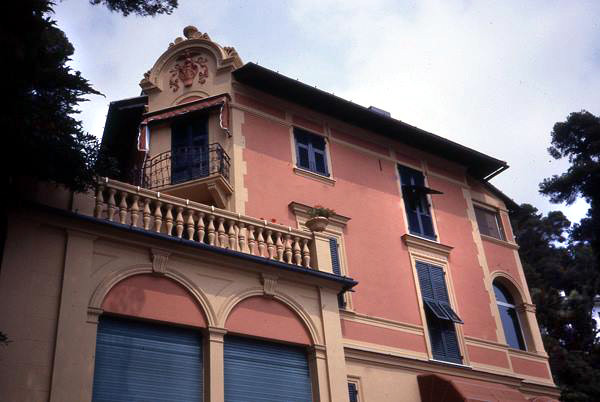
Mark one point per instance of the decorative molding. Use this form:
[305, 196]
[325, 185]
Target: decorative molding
[216, 334]
[302, 210]
[426, 245]
[526, 307]
[159, 261]
[499, 242]
[93, 314]
[382, 322]
[315, 176]
[269, 284]
[189, 64]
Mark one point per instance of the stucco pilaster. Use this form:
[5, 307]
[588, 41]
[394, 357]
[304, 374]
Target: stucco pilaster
[320, 253]
[533, 336]
[72, 374]
[215, 383]
[336, 362]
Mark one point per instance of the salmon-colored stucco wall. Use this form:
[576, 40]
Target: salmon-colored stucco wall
[501, 258]
[529, 367]
[366, 190]
[383, 336]
[455, 229]
[267, 318]
[488, 356]
[155, 298]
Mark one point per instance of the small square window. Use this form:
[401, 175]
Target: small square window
[310, 152]
[489, 223]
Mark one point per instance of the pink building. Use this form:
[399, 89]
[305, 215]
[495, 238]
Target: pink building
[197, 272]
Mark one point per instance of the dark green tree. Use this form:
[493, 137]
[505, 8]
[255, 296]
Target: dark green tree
[43, 138]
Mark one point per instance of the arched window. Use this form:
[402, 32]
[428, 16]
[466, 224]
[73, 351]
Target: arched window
[509, 317]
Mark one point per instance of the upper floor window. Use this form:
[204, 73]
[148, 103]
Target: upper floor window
[440, 315]
[310, 152]
[189, 149]
[416, 202]
[509, 317]
[489, 223]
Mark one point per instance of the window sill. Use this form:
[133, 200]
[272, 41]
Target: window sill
[315, 176]
[451, 364]
[499, 242]
[426, 244]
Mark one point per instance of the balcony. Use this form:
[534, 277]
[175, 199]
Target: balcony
[198, 173]
[181, 218]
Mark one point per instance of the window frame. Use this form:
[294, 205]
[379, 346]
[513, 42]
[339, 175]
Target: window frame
[497, 219]
[522, 343]
[311, 151]
[424, 209]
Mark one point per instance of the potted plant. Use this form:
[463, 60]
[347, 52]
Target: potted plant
[319, 218]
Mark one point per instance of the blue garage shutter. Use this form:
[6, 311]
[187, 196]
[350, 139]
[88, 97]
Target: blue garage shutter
[264, 371]
[139, 361]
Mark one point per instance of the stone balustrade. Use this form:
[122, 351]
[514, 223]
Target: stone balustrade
[173, 216]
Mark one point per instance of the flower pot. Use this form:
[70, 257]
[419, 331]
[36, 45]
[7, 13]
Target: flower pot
[317, 224]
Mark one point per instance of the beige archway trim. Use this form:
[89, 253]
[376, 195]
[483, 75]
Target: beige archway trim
[198, 93]
[112, 279]
[515, 288]
[285, 299]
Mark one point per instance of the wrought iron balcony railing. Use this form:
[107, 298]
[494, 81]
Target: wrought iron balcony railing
[182, 164]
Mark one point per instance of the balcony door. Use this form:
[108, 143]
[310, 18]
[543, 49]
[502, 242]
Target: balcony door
[189, 149]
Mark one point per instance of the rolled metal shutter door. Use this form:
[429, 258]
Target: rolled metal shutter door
[139, 361]
[260, 371]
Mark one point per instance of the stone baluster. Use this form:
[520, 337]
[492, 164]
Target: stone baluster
[231, 234]
[123, 208]
[297, 251]
[169, 219]
[270, 245]
[179, 222]
[135, 210]
[305, 253]
[157, 216]
[288, 248]
[242, 238]
[251, 240]
[147, 213]
[221, 233]
[261, 243]
[211, 230]
[99, 201]
[111, 204]
[200, 227]
[190, 224]
[279, 246]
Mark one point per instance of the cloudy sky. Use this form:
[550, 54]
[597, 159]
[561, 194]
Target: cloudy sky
[491, 75]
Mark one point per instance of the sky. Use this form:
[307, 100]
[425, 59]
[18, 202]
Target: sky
[492, 75]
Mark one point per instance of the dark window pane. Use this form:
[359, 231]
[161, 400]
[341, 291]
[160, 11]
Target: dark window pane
[512, 330]
[416, 203]
[320, 163]
[489, 223]
[502, 294]
[303, 157]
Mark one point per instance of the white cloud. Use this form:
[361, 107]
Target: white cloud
[494, 76]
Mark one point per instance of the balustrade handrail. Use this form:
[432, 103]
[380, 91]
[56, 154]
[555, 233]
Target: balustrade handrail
[154, 211]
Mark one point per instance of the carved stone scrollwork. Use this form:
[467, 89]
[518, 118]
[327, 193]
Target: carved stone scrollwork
[159, 261]
[526, 307]
[189, 64]
[269, 284]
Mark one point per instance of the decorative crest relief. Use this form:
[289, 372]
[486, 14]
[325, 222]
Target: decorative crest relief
[189, 64]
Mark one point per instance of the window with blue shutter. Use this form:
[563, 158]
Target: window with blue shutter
[352, 392]
[416, 204]
[335, 265]
[310, 152]
[440, 315]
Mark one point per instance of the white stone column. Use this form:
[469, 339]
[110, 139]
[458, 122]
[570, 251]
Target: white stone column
[73, 369]
[215, 381]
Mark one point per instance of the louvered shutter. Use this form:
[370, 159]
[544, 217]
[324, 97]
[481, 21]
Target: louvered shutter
[440, 316]
[264, 371]
[139, 361]
[352, 392]
[335, 256]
